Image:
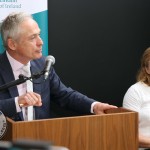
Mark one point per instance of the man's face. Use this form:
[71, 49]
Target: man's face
[28, 46]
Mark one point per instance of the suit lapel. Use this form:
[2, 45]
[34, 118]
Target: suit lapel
[36, 82]
[7, 74]
[36, 86]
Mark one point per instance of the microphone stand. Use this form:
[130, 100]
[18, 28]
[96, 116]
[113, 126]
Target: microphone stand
[21, 79]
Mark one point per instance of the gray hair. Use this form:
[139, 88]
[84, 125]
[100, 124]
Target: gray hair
[10, 26]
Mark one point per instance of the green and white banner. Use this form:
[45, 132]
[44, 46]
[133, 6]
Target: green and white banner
[39, 11]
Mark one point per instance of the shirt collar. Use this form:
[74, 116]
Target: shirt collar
[16, 65]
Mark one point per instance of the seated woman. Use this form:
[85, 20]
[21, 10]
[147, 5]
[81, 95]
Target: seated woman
[137, 98]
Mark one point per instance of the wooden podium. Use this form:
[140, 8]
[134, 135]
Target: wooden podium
[116, 130]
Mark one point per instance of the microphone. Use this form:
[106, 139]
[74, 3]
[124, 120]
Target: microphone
[50, 60]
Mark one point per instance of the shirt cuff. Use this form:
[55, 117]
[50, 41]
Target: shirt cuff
[18, 109]
[92, 105]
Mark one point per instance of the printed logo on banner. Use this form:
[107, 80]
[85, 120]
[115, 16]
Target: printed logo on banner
[3, 124]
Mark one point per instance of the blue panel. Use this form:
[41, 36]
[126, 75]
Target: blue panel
[42, 20]
[1, 45]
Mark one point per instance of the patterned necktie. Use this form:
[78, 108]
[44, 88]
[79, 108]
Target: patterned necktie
[28, 110]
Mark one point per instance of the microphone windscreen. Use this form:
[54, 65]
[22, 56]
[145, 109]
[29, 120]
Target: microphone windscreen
[51, 58]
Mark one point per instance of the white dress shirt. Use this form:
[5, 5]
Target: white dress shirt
[22, 88]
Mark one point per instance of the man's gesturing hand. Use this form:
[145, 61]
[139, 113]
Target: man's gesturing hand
[30, 99]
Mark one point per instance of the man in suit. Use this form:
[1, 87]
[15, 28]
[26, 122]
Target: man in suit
[21, 39]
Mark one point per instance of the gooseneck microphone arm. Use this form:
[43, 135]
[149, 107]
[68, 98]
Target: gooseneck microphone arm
[21, 79]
